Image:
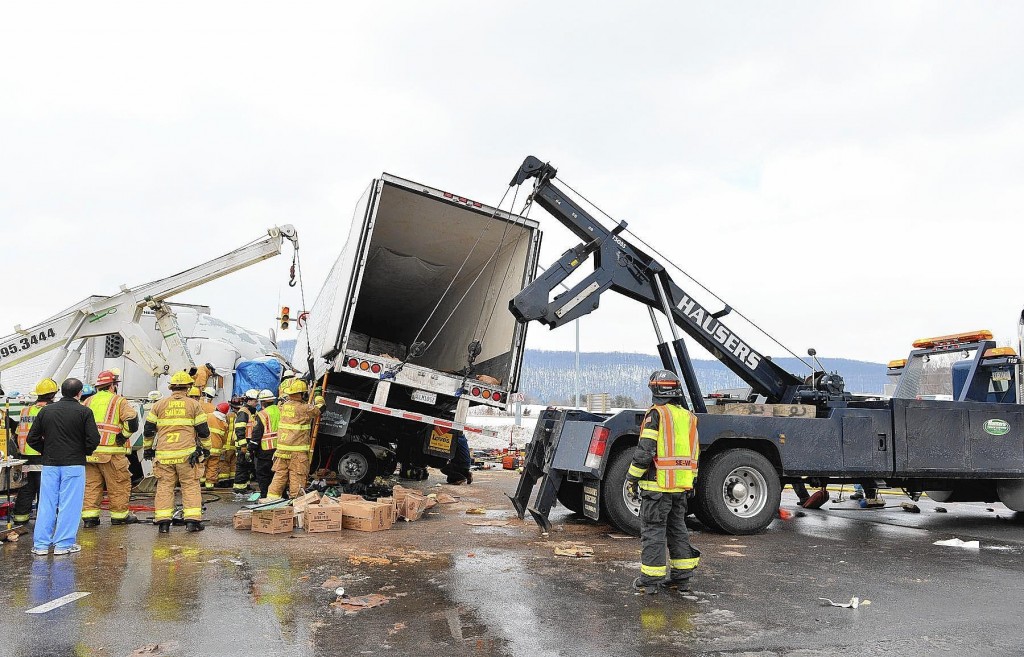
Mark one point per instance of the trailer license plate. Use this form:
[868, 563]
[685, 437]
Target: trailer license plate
[424, 397]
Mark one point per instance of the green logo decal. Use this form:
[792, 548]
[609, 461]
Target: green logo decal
[997, 427]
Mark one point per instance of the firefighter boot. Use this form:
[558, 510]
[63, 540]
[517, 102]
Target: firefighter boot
[193, 526]
[164, 527]
[129, 519]
[90, 522]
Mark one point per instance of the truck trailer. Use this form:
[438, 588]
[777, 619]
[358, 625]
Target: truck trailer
[411, 327]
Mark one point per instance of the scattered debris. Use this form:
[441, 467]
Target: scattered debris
[569, 549]
[445, 498]
[800, 514]
[471, 554]
[340, 591]
[731, 553]
[396, 628]
[360, 559]
[620, 536]
[852, 604]
[784, 514]
[910, 507]
[940, 509]
[488, 523]
[956, 542]
[152, 649]
[332, 582]
[477, 511]
[359, 603]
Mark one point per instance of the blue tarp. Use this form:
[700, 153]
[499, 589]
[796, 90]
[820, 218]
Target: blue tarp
[257, 374]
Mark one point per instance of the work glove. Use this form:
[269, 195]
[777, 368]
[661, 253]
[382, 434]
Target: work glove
[196, 457]
[319, 401]
[149, 453]
[633, 488]
[121, 440]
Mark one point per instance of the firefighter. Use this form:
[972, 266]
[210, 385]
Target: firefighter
[194, 393]
[203, 374]
[218, 421]
[245, 423]
[664, 468]
[206, 396]
[291, 464]
[263, 442]
[209, 392]
[226, 475]
[172, 434]
[45, 391]
[107, 467]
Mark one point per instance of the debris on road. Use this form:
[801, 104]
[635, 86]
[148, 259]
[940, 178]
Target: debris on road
[396, 629]
[360, 559]
[155, 649]
[852, 604]
[910, 507]
[576, 550]
[445, 498]
[359, 603]
[784, 514]
[487, 523]
[956, 542]
[940, 509]
[731, 553]
[332, 582]
[477, 511]
[620, 536]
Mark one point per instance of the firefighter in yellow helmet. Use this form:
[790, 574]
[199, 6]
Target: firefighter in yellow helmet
[245, 424]
[664, 468]
[45, 391]
[264, 439]
[173, 435]
[107, 467]
[291, 462]
[218, 421]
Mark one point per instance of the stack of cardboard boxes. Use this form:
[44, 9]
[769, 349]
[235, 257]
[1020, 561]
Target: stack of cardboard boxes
[316, 513]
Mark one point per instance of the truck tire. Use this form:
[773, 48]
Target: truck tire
[738, 492]
[570, 495]
[357, 464]
[624, 516]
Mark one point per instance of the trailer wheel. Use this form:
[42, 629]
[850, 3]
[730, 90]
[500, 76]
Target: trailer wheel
[570, 495]
[621, 510]
[357, 465]
[738, 492]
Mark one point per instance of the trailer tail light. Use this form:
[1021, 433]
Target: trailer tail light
[496, 396]
[364, 366]
[598, 445]
[486, 394]
[352, 362]
[476, 392]
[375, 368]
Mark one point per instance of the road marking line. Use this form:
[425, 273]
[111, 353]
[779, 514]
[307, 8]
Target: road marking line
[59, 602]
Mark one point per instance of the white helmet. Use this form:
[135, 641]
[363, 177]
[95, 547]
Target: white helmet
[267, 395]
[210, 391]
[154, 395]
[252, 393]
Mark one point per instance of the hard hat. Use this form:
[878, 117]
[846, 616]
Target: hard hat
[319, 401]
[181, 378]
[105, 378]
[267, 395]
[666, 384]
[46, 387]
[193, 391]
[210, 391]
[88, 391]
[252, 393]
[297, 387]
[224, 407]
[153, 396]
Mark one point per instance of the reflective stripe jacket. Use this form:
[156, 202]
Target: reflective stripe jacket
[267, 422]
[218, 429]
[28, 415]
[110, 411]
[172, 427]
[295, 428]
[665, 459]
[229, 436]
[245, 423]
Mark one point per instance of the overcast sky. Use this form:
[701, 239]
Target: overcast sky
[848, 175]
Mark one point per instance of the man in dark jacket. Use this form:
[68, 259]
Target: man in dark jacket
[65, 432]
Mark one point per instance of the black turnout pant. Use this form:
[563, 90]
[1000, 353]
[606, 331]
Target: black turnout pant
[662, 522]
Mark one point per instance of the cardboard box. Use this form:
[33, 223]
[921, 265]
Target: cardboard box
[299, 504]
[390, 501]
[273, 521]
[349, 497]
[323, 518]
[413, 506]
[366, 516]
[242, 519]
[327, 500]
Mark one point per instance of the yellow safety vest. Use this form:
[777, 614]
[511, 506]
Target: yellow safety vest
[25, 420]
[271, 418]
[229, 437]
[105, 407]
[678, 450]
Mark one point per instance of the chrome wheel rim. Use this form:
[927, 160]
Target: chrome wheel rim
[745, 492]
[632, 503]
[353, 466]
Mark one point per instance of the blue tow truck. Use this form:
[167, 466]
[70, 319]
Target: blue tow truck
[954, 426]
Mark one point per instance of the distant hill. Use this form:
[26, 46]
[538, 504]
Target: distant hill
[548, 376]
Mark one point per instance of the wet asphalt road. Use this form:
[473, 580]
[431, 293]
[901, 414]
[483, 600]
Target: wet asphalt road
[455, 589]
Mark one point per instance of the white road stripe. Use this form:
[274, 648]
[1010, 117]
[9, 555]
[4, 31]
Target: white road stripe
[59, 602]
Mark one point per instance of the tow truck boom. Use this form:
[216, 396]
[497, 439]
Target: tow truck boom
[626, 269]
[119, 314]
